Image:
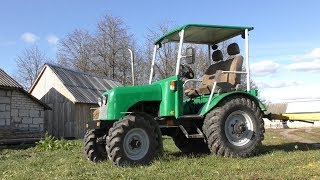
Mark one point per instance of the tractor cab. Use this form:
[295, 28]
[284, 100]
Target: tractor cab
[222, 76]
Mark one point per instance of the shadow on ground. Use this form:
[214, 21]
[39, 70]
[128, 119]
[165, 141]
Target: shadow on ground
[16, 147]
[263, 150]
[289, 147]
[191, 155]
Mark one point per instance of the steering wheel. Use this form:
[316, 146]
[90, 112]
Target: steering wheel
[186, 72]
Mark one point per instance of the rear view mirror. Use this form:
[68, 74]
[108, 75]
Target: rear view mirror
[190, 55]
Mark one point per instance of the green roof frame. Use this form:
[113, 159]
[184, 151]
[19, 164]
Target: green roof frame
[203, 34]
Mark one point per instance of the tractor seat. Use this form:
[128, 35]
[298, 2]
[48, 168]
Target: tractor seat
[208, 76]
[226, 82]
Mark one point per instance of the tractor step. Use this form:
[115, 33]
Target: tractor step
[190, 136]
[191, 117]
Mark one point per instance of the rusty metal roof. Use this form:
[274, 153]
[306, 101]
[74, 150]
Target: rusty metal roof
[85, 87]
[7, 81]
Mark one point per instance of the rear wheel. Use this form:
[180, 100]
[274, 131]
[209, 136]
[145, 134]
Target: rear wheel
[132, 140]
[234, 128]
[188, 145]
[94, 150]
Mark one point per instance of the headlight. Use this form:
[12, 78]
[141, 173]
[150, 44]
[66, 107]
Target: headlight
[99, 102]
[104, 100]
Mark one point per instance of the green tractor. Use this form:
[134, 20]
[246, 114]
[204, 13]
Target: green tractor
[218, 116]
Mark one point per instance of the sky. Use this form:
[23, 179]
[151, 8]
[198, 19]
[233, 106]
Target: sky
[284, 46]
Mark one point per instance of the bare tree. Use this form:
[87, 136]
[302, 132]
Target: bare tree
[243, 81]
[105, 52]
[167, 55]
[111, 43]
[29, 65]
[76, 51]
[142, 66]
[202, 62]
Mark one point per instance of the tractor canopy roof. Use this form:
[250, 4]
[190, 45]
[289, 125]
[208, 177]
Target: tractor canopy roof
[203, 34]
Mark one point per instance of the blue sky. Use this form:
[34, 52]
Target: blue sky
[283, 46]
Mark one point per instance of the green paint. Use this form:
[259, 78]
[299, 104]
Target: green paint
[179, 100]
[219, 97]
[122, 98]
[171, 101]
[171, 104]
[168, 96]
[201, 28]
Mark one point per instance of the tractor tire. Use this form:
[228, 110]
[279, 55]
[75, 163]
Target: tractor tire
[190, 146]
[235, 128]
[133, 140]
[94, 152]
[157, 132]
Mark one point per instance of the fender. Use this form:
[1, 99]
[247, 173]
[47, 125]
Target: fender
[217, 98]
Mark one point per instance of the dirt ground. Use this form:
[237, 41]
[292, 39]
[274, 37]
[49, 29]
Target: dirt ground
[302, 135]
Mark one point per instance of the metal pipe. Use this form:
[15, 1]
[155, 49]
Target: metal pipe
[152, 63]
[246, 33]
[179, 52]
[211, 95]
[209, 55]
[234, 72]
[190, 80]
[216, 78]
[132, 62]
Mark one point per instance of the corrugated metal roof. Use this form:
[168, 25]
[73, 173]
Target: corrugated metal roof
[85, 87]
[7, 81]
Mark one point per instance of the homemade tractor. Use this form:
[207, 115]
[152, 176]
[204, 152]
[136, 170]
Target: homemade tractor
[218, 116]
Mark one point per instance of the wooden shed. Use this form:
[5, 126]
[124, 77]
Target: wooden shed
[21, 114]
[71, 94]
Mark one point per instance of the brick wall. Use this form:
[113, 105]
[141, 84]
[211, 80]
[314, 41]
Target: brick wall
[5, 102]
[20, 116]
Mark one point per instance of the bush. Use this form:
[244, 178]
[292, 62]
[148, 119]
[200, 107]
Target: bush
[51, 143]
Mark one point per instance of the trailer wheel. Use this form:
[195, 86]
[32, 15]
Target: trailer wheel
[93, 150]
[132, 140]
[190, 146]
[234, 128]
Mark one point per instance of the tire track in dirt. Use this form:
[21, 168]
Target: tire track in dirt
[287, 134]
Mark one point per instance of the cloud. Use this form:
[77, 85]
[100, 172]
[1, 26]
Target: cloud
[285, 94]
[277, 84]
[29, 37]
[52, 39]
[263, 68]
[305, 66]
[309, 62]
[315, 53]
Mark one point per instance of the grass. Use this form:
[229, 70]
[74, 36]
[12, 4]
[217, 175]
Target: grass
[279, 159]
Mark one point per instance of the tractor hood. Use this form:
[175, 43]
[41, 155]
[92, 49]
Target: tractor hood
[120, 99]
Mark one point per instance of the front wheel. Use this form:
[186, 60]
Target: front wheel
[234, 128]
[133, 140]
[94, 150]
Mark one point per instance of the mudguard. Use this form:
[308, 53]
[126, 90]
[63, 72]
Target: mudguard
[219, 97]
